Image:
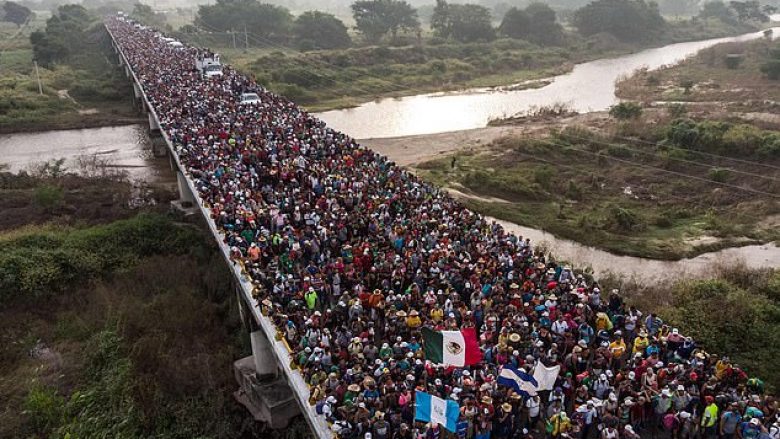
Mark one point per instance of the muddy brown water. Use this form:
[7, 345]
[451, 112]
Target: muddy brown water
[127, 148]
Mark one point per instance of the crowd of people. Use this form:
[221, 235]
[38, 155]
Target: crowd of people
[351, 256]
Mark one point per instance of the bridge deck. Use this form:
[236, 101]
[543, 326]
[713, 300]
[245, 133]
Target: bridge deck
[300, 389]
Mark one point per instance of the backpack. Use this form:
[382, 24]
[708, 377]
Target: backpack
[318, 407]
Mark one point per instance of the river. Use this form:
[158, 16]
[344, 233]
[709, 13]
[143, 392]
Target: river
[125, 147]
[589, 87]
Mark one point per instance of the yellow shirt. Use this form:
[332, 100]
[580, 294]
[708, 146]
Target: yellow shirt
[640, 344]
[437, 314]
[618, 348]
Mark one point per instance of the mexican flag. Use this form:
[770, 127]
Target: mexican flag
[452, 348]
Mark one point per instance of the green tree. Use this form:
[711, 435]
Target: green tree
[467, 22]
[16, 13]
[628, 20]
[64, 34]
[264, 20]
[440, 20]
[516, 24]
[376, 18]
[626, 111]
[320, 30]
[543, 27]
[471, 23]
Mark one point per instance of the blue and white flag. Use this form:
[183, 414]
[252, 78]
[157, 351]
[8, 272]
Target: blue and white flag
[435, 410]
[522, 383]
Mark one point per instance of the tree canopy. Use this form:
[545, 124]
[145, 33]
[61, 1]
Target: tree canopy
[65, 32]
[463, 22]
[16, 13]
[717, 9]
[320, 30]
[376, 18]
[261, 19]
[516, 24]
[536, 23]
[628, 20]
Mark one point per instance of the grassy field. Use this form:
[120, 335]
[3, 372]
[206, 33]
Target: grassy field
[621, 192]
[88, 91]
[707, 78]
[322, 80]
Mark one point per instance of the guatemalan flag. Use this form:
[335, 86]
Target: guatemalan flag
[435, 410]
[522, 383]
[452, 348]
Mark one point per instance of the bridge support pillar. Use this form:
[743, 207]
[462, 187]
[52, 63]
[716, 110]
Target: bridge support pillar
[263, 356]
[136, 90]
[127, 72]
[185, 195]
[153, 125]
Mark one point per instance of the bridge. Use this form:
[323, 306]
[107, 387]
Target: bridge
[272, 390]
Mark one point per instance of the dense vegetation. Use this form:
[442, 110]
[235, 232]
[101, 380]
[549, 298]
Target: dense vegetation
[109, 357]
[41, 265]
[642, 186]
[125, 328]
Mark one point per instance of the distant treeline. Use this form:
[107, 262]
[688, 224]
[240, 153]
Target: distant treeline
[378, 21]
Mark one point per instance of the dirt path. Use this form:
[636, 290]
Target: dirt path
[413, 150]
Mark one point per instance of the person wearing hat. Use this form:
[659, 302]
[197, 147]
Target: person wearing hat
[629, 433]
[750, 429]
[681, 399]
[504, 425]
[662, 403]
[413, 321]
[641, 342]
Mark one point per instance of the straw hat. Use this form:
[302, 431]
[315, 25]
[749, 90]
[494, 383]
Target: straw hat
[401, 313]
[514, 337]
[507, 407]
[487, 400]
[353, 388]
[414, 313]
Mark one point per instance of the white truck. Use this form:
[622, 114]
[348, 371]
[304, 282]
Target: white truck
[208, 65]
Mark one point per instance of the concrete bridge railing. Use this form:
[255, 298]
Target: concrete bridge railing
[270, 355]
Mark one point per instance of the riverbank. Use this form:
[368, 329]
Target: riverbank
[591, 184]
[338, 79]
[727, 78]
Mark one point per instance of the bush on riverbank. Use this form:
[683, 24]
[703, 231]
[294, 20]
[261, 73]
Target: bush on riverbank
[45, 262]
[738, 140]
